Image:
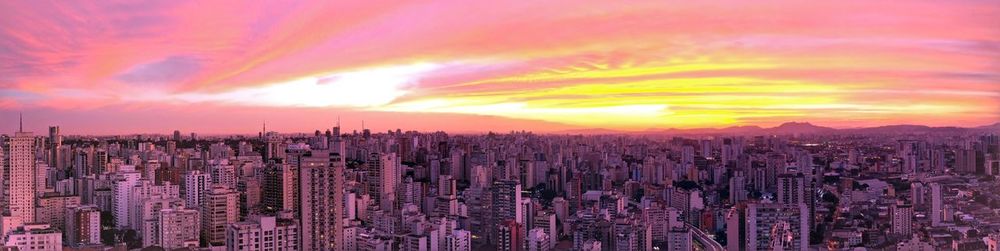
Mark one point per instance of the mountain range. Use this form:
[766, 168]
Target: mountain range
[794, 128]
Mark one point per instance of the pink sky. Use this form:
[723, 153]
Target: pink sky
[225, 66]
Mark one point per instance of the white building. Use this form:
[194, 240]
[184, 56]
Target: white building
[21, 186]
[35, 237]
[196, 185]
[122, 192]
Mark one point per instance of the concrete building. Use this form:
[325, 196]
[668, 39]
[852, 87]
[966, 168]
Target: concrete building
[937, 205]
[83, 225]
[196, 185]
[122, 192]
[902, 220]
[322, 210]
[263, 233]
[459, 240]
[20, 186]
[538, 240]
[509, 236]
[52, 209]
[35, 237]
[752, 229]
[679, 239]
[150, 215]
[179, 228]
[383, 175]
[791, 189]
[219, 209]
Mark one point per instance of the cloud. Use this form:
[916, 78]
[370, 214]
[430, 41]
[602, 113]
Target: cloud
[169, 70]
[690, 64]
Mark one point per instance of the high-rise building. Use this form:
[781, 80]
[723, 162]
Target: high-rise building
[52, 209]
[219, 209]
[752, 229]
[196, 185]
[937, 204]
[382, 179]
[122, 191]
[20, 185]
[83, 225]
[55, 141]
[737, 188]
[179, 228]
[506, 205]
[150, 216]
[263, 233]
[791, 189]
[273, 148]
[902, 219]
[277, 189]
[322, 209]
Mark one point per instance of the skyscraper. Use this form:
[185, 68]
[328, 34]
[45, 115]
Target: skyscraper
[21, 182]
[322, 213]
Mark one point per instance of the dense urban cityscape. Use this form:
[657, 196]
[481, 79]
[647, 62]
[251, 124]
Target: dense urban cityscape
[461, 125]
[793, 187]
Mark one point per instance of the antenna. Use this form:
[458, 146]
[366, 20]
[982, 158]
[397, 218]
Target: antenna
[20, 122]
[338, 121]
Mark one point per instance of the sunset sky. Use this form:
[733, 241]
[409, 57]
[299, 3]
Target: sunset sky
[96, 67]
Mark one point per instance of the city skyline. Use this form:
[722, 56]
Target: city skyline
[449, 125]
[118, 68]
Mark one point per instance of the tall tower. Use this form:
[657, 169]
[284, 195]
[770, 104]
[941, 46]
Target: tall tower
[937, 204]
[322, 209]
[21, 185]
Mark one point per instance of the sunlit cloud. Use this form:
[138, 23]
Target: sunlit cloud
[360, 88]
[541, 65]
